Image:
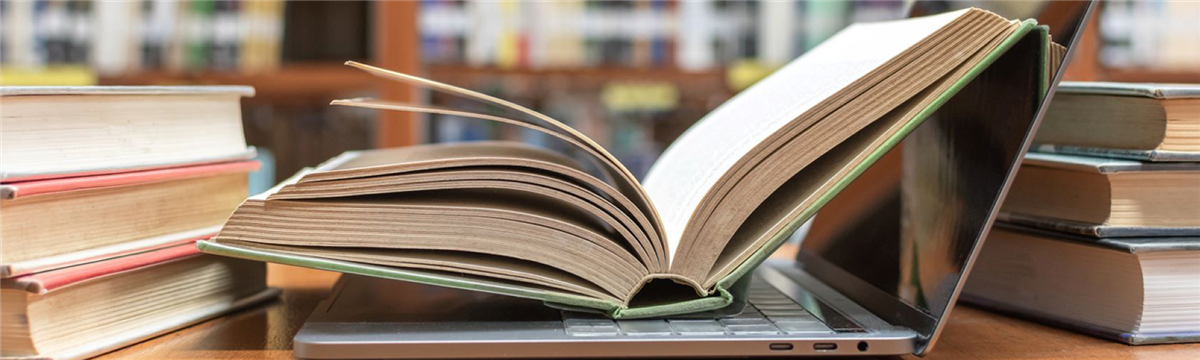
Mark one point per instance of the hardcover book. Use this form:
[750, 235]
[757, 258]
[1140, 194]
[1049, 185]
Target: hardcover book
[1105, 197]
[57, 131]
[1133, 290]
[114, 214]
[1148, 122]
[87, 310]
[577, 230]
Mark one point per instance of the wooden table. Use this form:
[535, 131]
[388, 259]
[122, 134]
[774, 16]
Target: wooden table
[265, 332]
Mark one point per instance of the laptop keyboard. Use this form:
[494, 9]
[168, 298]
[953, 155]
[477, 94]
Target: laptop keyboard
[769, 312]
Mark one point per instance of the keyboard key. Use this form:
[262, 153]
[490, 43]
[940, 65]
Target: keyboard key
[592, 331]
[803, 327]
[567, 315]
[786, 313]
[590, 327]
[644, 327]
[581, 324]
[590, 322]
[770, 300]
[697, 327]
[749, 313]
[774, 302]
[768, 307]
[744, 321]
[752, 329]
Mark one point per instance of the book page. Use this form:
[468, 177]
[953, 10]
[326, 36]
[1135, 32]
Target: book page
[516, 165]
[621, 178]
[694, 163]
[462, 264]
[529, 227]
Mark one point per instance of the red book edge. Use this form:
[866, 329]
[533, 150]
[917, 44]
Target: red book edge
[36, 187]
[42, 283]
[62, 261]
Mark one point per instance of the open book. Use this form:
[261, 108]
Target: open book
[577, 230]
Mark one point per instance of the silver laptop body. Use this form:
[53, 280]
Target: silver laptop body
[882, 288]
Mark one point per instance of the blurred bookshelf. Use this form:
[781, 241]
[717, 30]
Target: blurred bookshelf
[631, 74]
[1140, 41]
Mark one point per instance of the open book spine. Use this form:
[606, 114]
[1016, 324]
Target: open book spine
[728, 295]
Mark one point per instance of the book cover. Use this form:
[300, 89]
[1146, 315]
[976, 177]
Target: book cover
[1096, 230]
[1101, 165]
[61, 261]
[1150, 90]
[14, 190]
[42, 283]
[1127, 154]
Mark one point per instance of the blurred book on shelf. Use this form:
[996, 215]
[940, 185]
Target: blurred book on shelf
[114, 37]
[1153, 34]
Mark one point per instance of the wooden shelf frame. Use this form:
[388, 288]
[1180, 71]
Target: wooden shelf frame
[397, 47]
[292, 80]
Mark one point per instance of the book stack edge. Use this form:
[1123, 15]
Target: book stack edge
[1100, 232]
[103, 193]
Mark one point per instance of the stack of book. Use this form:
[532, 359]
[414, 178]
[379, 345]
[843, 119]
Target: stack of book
[103, 191]
[1100, 231]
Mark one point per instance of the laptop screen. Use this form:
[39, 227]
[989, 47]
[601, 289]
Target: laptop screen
[900, 239]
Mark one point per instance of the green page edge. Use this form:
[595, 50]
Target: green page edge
[725, 293]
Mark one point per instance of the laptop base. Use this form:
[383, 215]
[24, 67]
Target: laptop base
[791, 316]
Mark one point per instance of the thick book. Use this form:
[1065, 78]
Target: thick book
[1105, 197]
[87, 310]
[578, 231]
[53, 223]
[1148, 122]
[54, 131]
[1132, 290]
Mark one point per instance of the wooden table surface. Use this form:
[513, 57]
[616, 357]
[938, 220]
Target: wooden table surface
[265, 332]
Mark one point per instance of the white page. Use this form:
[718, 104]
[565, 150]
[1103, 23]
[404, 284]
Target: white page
[693, 164]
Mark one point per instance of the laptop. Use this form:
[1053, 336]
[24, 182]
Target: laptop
[883, 286]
